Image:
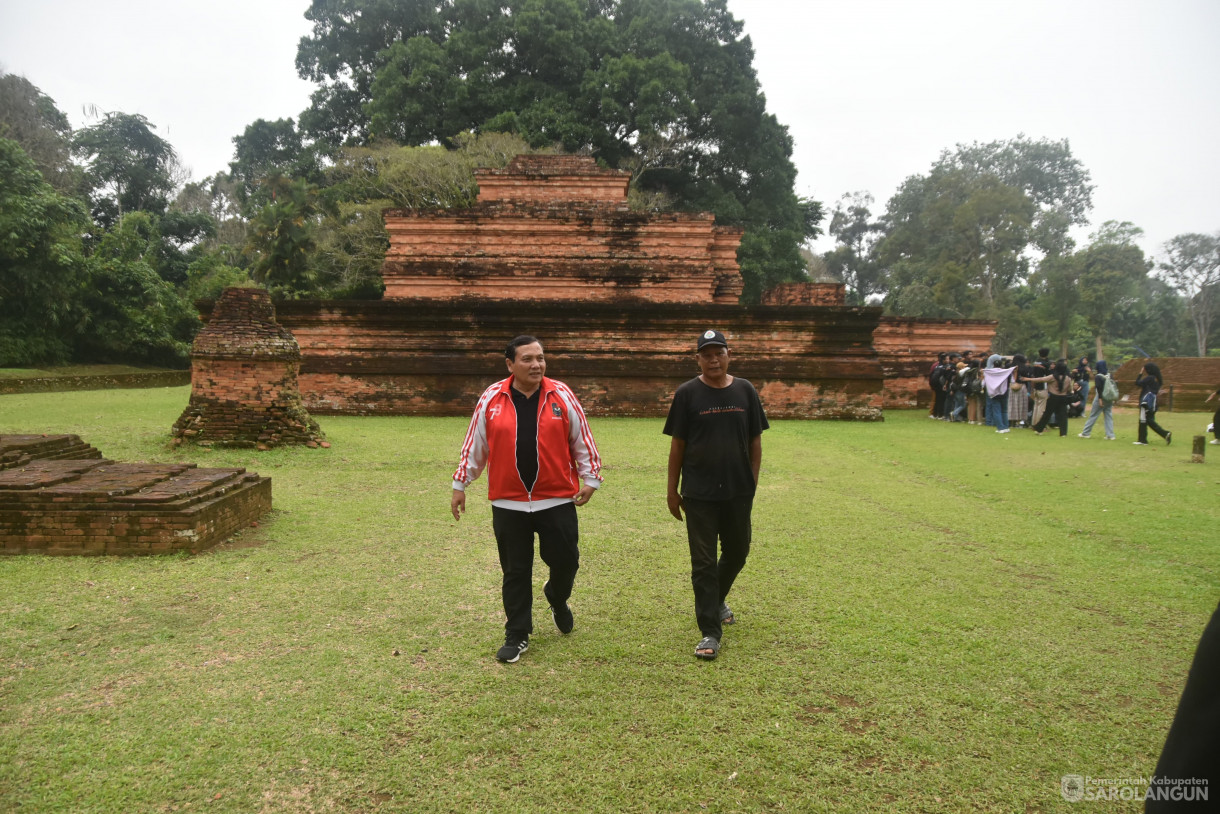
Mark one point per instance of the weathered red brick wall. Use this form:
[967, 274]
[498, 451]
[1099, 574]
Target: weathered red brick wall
[244, 389]
[907, 347]
[435, 357]
[805, 294]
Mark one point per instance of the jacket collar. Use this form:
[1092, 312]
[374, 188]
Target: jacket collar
[546, 387]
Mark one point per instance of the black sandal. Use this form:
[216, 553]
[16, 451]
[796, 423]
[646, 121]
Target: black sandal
[726, 614]
[707, 643]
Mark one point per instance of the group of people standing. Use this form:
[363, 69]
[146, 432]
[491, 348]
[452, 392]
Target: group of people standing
[1002, 392]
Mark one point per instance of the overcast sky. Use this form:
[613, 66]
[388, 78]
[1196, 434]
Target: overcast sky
[871, 90]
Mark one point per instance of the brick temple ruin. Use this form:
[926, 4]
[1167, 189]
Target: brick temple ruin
[551, 248]
[58, 495]
[244, 369]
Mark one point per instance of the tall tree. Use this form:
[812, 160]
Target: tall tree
[128, 167]
[1057, 282]
[960, 236]
[1112, 269]
[665, 88]
[972, 229]
[1045, 171]
[1192, 266]
[854, 259]
[282, 235]
[29, 117]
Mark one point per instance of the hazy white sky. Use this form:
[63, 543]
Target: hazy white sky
[871, 90]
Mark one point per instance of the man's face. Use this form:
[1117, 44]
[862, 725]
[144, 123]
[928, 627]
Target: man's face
[713, 361]
[528, 367]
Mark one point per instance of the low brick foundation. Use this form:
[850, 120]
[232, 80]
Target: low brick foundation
[91, 506]
[435, 357]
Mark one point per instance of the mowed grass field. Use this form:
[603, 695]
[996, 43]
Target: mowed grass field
[934, 618]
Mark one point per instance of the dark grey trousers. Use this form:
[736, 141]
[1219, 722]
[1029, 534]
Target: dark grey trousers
[726, 521]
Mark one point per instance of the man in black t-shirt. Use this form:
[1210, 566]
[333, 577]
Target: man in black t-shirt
[715, 425]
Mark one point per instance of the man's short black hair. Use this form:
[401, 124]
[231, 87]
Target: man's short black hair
[1044, 352]
[525, 339]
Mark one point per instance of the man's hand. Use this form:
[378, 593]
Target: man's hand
[457, 504]
[582, 497]
[675, 503]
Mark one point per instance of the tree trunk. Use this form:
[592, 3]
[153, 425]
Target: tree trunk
[1100, 355]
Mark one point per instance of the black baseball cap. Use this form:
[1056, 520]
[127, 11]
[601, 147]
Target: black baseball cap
[711, 338]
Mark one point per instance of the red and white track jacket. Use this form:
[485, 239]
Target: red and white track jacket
[566, 451]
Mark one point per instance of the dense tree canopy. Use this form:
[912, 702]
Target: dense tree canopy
[665, 88]
[41, 263]
[978, 223]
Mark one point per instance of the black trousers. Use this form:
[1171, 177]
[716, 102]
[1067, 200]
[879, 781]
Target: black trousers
[1148, 419]
[1057, 408]
[706, 522]
[558, 534]
[1194, 736]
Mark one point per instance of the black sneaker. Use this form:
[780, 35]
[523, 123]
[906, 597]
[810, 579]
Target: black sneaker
[513, 648]
[561, 614]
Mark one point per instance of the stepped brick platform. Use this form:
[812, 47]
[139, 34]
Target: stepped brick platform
[94, 506]
[558, 228]
[1189, 380]
[20, 450]
[244, 390]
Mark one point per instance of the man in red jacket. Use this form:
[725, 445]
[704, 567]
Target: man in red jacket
[532, 436]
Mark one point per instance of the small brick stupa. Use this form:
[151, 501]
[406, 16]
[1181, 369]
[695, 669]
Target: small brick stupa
[244, 369]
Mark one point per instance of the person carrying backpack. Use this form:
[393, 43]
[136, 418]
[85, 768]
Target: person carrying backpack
[1150, 384]
[1106, 393]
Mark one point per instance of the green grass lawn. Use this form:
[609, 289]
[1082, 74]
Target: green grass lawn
[933, 619]
[73, 370]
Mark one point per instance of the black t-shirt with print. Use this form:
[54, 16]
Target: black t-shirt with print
[717, 425]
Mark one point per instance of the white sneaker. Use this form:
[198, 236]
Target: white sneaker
[1140, 443]
[1081, 435]
[1214, 441]
[1110, 438]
